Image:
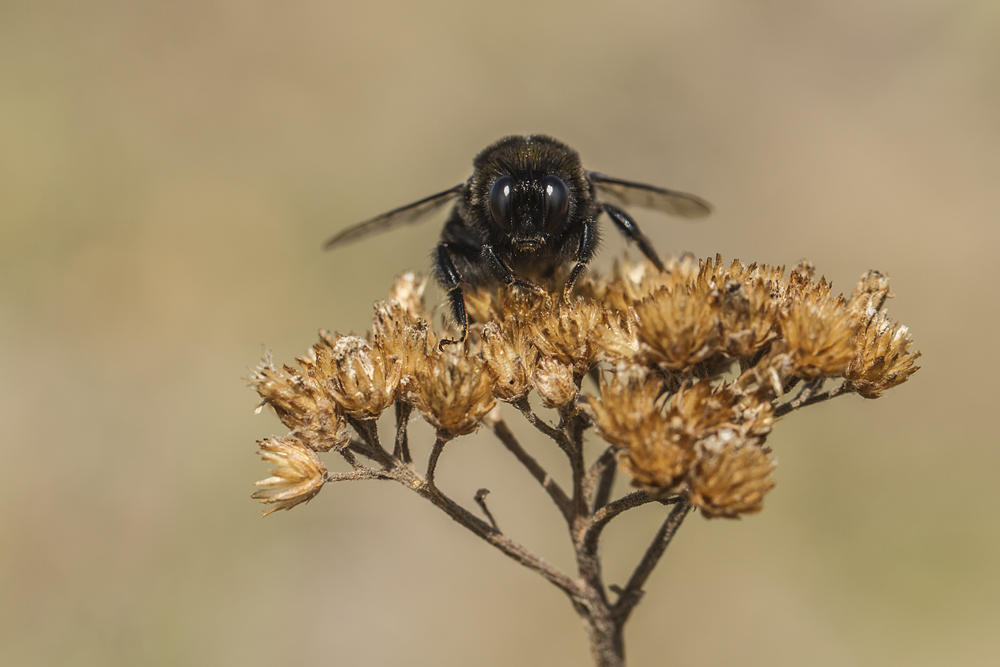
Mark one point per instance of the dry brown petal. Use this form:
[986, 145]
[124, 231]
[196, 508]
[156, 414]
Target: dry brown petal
[296, 476]
[565, 332]
[731, 476]
[510, 358]
[819, 331]
[301, 404]
[454, 392]
[554, 382]
[883, 358]
[360, 378]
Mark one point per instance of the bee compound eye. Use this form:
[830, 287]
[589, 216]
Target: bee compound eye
[556, 202]
[500, 197]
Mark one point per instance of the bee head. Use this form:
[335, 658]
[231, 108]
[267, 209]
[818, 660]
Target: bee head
[525, 190]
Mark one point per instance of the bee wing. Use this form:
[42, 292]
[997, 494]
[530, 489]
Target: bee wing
[627, 193]
[404, 215]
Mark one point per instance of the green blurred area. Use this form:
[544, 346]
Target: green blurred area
[169, 171]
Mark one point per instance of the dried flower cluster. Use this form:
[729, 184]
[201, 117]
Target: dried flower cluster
[660, 344]
[684, 373]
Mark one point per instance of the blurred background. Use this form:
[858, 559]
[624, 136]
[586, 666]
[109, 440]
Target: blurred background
[170, 170]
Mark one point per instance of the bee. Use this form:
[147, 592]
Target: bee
[528, 209]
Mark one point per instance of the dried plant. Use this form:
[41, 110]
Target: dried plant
[691, 367]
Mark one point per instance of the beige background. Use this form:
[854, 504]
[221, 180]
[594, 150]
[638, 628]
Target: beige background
[169, 170]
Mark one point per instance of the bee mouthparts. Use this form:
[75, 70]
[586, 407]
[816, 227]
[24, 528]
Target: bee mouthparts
[527, 245]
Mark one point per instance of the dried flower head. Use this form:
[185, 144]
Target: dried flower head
[302, 404]
[554, 382]
[883, 359]
[408, 292]
[679, 325]
[565, 332]
[627, 413]
[360, 378]
[659, 465]
[296, 476]
[510, 358]
[617, 337]
[502, 303]
[818, 329]
[403, 340]
[731, 476]
[869, 296]
[749, 307]
[453, 392]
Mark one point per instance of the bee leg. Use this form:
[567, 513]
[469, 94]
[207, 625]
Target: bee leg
[506, 276]
[588, 244]
[626, 225]
[449, 278]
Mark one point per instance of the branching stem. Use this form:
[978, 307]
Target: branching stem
[810, 399]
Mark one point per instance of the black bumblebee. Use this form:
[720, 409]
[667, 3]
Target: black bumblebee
[529, 208]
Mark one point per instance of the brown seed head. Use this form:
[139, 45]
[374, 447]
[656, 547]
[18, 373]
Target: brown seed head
[301, 404]
[818, 328]
[566, 332]
[679, 326]
[296, 476]
[554, 382]
[402, 340]
[750, 299]
[510, 358]
[453, 391]
[868, 297]
[408, 292]
[502, 303]
[628, 410]
[360, 378]
[657, 466]
[883, 358]
[617, 336]
[731, 476]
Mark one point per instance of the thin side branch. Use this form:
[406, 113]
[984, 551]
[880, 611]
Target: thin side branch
[491, 534]
[371, 446]
[360, 473]
[811, 399]
[632, 592]
[604, 515]
[601, 474]
[572, 424]
[558, 496]
[401, 449]
[432, 462]
[543, 427]
[481, 501]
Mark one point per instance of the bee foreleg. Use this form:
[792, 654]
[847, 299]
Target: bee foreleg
[588, 243]
[449, 278]
[626, 225]
[506, 276]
